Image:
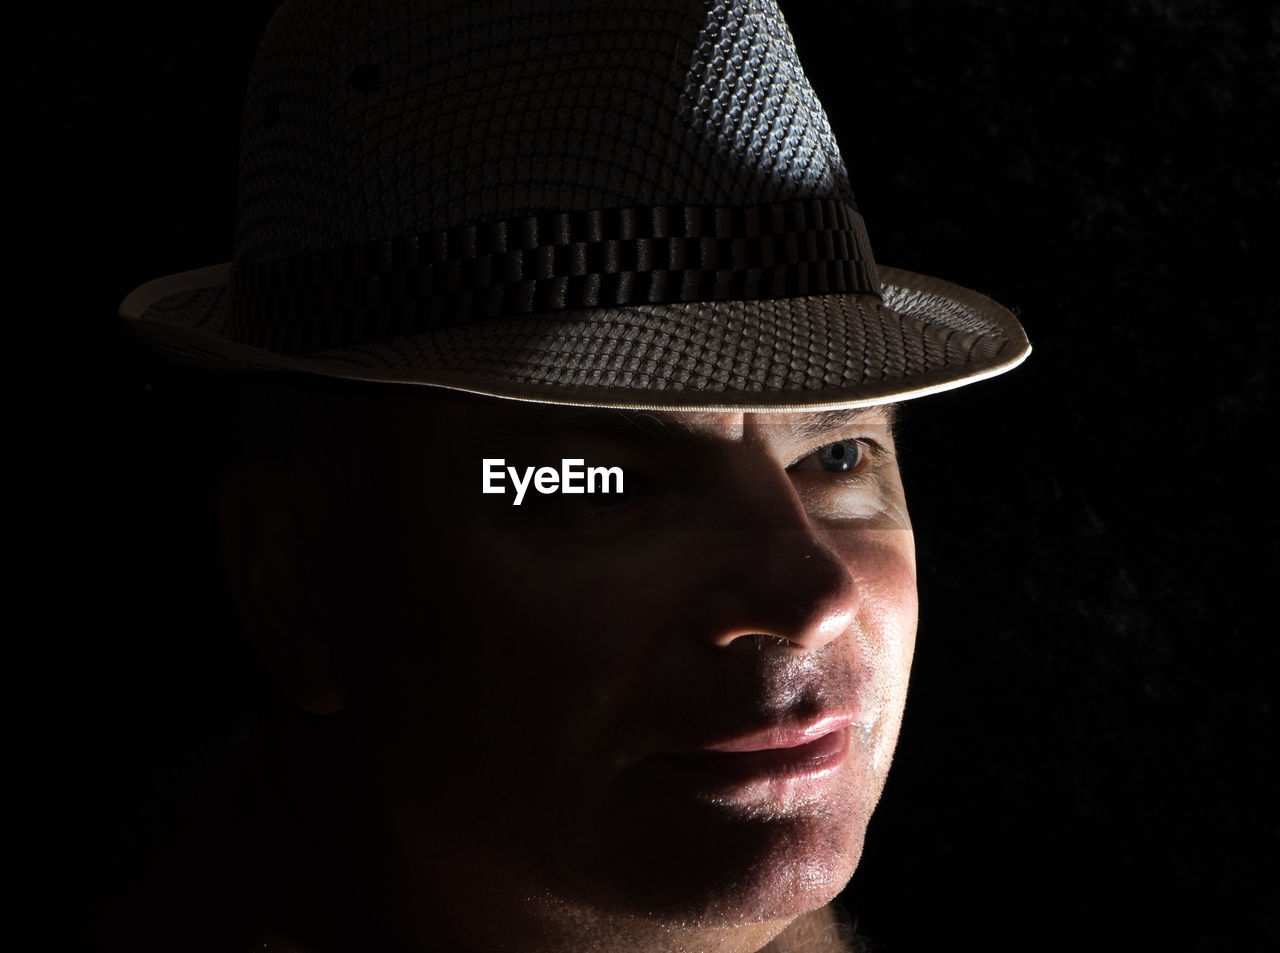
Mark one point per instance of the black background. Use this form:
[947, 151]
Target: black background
[1088, 759]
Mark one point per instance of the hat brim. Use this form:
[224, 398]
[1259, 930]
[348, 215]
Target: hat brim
[815, 352]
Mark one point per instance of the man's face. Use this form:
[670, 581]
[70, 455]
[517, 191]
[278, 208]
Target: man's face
[677, 702]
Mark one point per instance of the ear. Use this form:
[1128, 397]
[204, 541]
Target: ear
[273, 529]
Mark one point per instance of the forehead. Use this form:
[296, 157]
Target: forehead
[516, 417]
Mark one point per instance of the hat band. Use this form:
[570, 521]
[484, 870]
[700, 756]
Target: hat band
[559, 261]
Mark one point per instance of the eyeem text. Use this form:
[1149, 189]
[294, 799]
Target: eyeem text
[572, 477]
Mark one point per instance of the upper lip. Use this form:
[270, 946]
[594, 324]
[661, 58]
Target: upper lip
[786, 734]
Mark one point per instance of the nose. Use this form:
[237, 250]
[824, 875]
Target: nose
[772, 579]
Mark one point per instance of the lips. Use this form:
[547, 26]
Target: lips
[778, 737]
[796, 753]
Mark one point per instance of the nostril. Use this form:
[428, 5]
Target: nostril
[759, 643]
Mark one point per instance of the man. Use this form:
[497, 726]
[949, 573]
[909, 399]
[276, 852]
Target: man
[595, 600]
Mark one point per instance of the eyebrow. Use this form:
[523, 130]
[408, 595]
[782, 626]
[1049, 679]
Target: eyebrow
[826, 421]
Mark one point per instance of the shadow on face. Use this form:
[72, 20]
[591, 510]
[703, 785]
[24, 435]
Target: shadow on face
[672, 700]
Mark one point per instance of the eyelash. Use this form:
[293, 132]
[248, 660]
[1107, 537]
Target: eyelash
[872, 454]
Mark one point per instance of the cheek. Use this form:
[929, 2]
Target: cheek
[893, 603]
[895, 614]
[882, 563]
[510, 661]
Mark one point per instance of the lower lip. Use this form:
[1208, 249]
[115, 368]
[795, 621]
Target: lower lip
[812, 761]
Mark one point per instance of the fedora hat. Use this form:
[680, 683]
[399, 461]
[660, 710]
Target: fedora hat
[618, 204]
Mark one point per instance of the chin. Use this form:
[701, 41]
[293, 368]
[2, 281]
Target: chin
[804, 869]
[715, 868]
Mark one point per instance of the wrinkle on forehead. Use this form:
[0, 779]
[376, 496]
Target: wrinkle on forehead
[673, 424]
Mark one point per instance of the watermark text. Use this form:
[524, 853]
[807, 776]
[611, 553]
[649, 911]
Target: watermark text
[574, 476]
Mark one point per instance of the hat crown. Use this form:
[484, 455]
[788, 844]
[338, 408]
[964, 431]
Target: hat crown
[370, 121]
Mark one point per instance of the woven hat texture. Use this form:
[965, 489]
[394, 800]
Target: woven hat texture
[625, 204]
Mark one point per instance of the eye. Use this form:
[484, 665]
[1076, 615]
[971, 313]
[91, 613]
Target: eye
[843, 456]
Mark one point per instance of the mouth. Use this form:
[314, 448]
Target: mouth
[780, 758]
